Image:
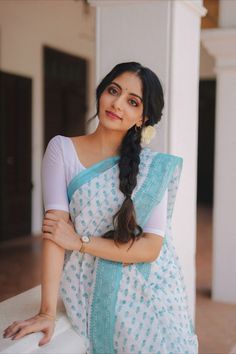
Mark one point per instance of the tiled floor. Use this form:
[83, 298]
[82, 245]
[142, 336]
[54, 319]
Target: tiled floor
[215, 322]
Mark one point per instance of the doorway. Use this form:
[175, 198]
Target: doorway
[65, 94]
[15, 155]
[206, 141]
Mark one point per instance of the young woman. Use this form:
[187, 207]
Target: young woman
[107, 235]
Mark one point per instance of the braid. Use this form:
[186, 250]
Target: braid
[124, 221]
[129, 161]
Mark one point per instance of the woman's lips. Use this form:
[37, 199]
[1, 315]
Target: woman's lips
[112, 115]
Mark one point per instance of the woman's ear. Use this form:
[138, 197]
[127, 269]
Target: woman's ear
[140, 122]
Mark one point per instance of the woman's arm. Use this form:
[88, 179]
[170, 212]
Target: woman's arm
[146, 249]
[52, 263]
[44, 321]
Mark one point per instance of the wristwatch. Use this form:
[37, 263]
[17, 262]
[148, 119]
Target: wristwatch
[84, 239]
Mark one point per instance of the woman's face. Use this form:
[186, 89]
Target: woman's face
[120, 105]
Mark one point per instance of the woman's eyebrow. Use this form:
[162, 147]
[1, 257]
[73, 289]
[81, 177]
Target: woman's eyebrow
[133, 94]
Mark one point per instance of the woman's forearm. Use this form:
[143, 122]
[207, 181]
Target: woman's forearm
[146, 249]
[51, 269]
[52, 263]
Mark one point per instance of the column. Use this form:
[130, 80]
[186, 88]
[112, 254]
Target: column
[221, 44]
[163, 35]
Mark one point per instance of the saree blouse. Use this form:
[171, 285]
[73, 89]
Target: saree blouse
[61, 163]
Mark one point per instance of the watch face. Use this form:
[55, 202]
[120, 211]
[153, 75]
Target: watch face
[85, 239]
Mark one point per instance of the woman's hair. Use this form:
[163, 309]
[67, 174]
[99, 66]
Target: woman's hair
[124, 221]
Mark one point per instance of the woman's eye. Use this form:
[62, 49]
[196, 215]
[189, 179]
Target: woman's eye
[133, 103]
[112, 90]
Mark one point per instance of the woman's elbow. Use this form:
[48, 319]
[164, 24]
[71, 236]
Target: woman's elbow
[154, 247]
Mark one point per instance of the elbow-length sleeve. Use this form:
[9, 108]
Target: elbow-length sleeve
[54, 177]
[156, 223]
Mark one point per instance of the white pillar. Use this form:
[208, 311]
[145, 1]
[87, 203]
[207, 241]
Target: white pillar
[221, 44]
[163, 35]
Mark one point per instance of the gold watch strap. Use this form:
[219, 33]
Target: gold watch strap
[82, 248]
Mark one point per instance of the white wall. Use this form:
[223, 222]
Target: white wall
[207, 64]
[127, 36]
[25, 26]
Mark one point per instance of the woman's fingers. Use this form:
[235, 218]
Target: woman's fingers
[71, 223]
[51, 216]
[48, 222]
[14, 328]
[19, 329]
[48, 236]
[47, 228]
[47, 337]
[27, 330]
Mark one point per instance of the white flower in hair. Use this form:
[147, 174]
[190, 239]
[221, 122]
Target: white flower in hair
[147, 134]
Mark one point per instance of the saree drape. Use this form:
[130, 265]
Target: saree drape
[141, 308]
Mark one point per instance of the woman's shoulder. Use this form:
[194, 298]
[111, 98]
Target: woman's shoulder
[61, 143]
[58, 140]
[58, 146]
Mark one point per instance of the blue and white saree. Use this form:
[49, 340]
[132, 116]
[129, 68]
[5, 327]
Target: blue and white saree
[140, 308]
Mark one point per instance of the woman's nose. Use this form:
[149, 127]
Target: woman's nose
[117, 102]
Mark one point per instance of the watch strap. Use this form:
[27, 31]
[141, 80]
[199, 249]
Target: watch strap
[82, 248]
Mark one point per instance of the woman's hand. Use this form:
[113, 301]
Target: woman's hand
[39, 323]
[61, 232]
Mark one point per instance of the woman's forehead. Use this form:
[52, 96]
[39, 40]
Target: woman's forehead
[129, 82]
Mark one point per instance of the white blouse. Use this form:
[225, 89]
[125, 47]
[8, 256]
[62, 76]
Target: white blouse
[61, 163]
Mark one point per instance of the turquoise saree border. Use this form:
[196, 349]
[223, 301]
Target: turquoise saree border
[89, 173]
[151, 192]
[102, 319]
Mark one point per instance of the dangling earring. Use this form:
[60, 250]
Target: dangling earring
[137, 128]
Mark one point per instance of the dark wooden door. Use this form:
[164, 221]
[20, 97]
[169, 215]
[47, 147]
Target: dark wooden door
[15, 156]
[206, 141]
[65, 94]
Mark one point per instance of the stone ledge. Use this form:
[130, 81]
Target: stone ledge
[65, 340]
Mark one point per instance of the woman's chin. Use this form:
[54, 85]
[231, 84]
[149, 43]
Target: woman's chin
[111, 125]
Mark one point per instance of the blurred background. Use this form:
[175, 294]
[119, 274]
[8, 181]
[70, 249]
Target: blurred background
[51, 57]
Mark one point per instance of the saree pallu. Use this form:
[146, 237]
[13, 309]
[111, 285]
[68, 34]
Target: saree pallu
[140, 308]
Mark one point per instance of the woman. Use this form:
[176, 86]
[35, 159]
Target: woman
[121, 281]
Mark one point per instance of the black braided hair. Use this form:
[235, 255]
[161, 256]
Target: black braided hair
[124, 221]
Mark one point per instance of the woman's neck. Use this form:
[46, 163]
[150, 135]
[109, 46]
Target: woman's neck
[107, 141]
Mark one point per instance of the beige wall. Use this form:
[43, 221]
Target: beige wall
[25, 26]
[207, 63]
